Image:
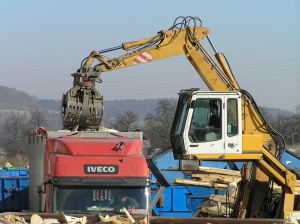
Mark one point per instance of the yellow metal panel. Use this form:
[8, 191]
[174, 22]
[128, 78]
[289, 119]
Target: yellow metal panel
[209, 156]
[243, 157]
[227, 157]
[252, 143]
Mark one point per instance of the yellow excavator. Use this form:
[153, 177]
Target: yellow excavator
[242, 134]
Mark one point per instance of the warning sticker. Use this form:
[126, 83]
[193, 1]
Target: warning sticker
[142, 58]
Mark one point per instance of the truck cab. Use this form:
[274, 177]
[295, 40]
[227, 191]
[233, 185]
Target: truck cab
[83, 172]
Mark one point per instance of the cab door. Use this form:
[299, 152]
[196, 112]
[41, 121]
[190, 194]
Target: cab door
[201, 137]
[233, 124]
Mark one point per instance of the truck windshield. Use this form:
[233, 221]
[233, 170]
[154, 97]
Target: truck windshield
[108, 199]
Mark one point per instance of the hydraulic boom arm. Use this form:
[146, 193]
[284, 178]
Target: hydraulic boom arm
[168, 43]
[82, 106]
[85, 104]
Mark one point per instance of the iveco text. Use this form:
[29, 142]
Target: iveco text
[104, 169]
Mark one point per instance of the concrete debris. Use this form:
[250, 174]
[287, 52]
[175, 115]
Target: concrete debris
[74, 220]
[36, 219]
[291, 220]
[12, 219]
[8, 165]
[210, 208]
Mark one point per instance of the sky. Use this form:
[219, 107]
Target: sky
[44, 42]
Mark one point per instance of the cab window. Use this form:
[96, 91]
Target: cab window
[206, 121]
[232, 117]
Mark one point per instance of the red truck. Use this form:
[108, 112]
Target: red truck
[80, 172]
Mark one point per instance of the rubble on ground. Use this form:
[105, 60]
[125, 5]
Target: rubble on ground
[11, 218]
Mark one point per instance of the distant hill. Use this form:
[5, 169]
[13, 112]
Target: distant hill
[15, 100]
[112, 108]
[275, 112]
[12, 99]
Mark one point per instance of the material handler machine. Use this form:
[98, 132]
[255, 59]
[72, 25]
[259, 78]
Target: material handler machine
[243, 135]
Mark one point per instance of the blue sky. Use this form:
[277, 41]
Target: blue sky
[44, 42]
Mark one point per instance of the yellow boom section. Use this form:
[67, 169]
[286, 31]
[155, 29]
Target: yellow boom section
[169, 43]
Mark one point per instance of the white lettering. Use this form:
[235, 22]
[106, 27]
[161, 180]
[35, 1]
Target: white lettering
[101, 169]
[111, 169]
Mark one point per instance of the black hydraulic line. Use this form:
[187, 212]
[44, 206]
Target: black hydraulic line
[103, 51]
[277, 137]
[212, 45]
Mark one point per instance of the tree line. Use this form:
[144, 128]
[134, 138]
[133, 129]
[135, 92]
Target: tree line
[156, 126]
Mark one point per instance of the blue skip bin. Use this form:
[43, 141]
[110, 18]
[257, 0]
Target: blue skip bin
[14, 189]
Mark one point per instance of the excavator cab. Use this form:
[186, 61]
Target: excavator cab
[194, 135]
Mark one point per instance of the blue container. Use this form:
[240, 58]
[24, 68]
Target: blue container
[179, 201]
[14, 189]
[291, 160]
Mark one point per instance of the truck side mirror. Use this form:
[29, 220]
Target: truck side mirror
[40, 189]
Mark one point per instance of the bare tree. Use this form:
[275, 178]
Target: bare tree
[14, 133]
[288, 127]
[297, 124]
[158, 126]
[293, 128]
[126, 121]
[37, 119]
[19, 160]
[266, 113]
[297, 109]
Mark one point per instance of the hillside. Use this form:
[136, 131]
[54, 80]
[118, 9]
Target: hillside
[12, 99]
[15, 100]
